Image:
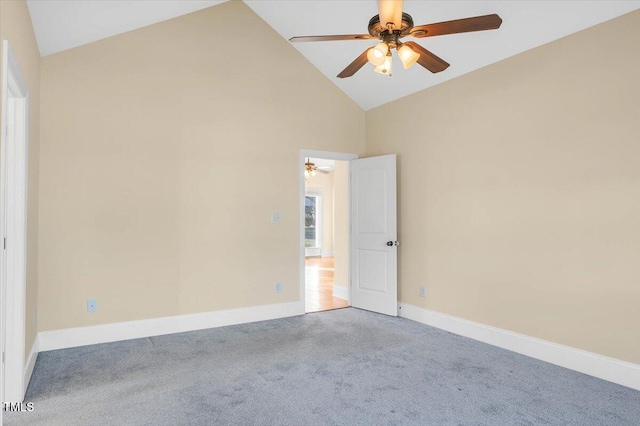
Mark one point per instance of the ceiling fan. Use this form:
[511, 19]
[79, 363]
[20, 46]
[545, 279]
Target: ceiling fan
[390, 25]
[310, 169]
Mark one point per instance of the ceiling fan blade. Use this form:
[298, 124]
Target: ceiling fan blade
[478, 23]
[331, 37]
[326, 172]
[390, 12]
[354, 66]
[428, 59]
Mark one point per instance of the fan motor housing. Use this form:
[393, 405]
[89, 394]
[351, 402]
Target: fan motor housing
[377, 30]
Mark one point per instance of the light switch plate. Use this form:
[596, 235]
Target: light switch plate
[275, 217]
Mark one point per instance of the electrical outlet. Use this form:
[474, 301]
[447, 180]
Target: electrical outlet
[275, 217]
[423, 291]
[278, 287]
[92, 305]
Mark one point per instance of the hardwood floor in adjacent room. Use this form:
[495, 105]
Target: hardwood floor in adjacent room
[319, 280]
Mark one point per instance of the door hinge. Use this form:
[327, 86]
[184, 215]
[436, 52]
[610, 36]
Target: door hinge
[3, 357]
[4, 243]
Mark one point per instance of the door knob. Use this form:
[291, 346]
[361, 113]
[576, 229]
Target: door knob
[393, 243]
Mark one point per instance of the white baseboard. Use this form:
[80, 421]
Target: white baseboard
[30, 364]
[341, 292]
[328, 253]
[610, 369]
[81, 336]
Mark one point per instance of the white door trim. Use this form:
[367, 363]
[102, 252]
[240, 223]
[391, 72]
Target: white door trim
[307, 153]
[13, 222]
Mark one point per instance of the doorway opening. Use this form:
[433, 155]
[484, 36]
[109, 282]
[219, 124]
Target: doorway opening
[325, 230]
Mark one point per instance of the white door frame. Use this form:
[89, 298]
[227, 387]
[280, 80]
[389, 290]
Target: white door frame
[306, 153]
[13, 223]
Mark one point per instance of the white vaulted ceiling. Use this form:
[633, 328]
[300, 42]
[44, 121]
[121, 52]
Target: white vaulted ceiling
[61, 25]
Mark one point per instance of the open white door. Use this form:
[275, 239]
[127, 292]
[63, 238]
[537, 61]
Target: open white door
[374, 252]
[13, 223]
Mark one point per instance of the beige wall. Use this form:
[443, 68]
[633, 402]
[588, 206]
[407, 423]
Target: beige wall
[520, 191]
[324, 182]
[341, 223]
[150, 202]
[15, 26]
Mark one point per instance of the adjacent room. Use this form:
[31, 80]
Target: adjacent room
[305, 212]
[326, 234]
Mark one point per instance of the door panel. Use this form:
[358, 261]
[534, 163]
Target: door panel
[374, 264]
[371, 206]
[372, 270]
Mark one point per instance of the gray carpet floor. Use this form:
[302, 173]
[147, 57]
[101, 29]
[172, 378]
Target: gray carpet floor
[342, 367]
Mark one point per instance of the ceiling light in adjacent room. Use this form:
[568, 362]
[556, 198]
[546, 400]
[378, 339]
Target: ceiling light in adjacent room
[309, 169]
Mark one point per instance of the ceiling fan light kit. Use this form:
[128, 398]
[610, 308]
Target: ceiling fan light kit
[385, 67]
[390, 25]
[377, 54]
[407, 56]
[310, 169]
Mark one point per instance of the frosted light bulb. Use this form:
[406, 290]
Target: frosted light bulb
[385, 68]
[376, 54]
[407, 56]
